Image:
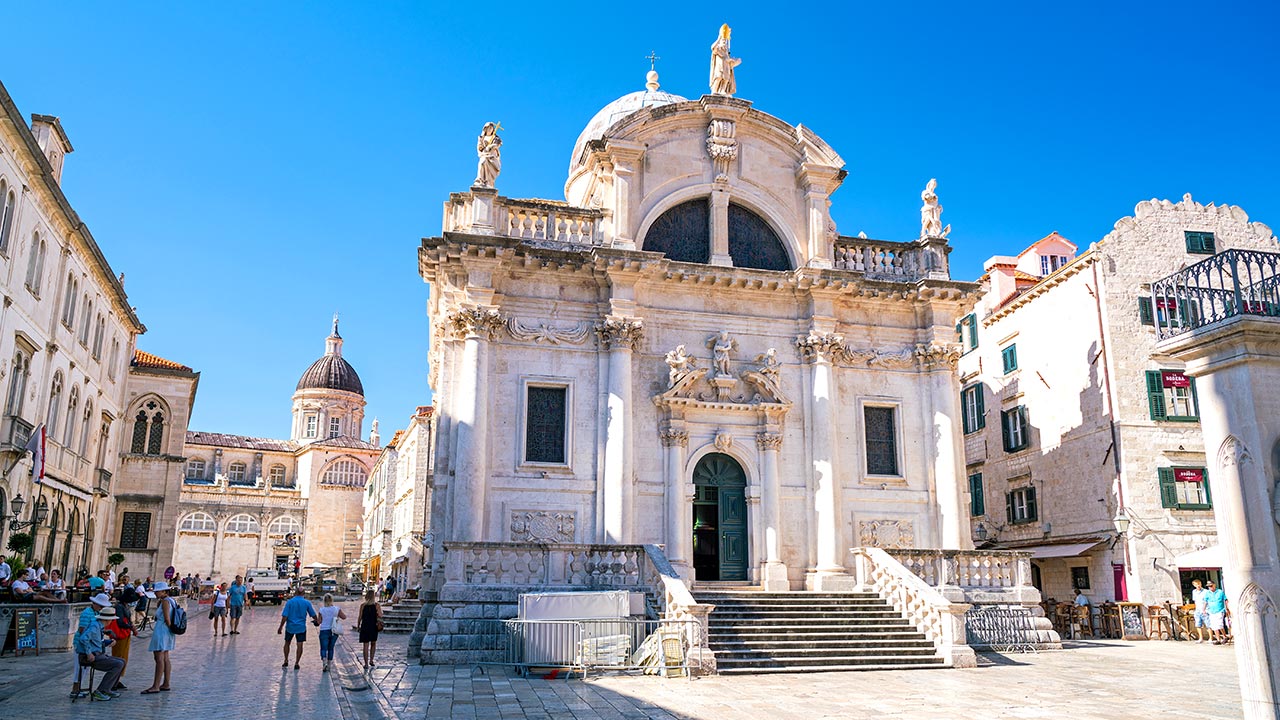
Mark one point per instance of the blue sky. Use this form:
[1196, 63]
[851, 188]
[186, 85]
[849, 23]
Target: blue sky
[254, 167]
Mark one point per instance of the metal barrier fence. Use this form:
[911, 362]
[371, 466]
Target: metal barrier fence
[1000, 629]
[654, 646]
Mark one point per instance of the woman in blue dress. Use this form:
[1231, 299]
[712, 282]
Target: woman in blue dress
[162, 639]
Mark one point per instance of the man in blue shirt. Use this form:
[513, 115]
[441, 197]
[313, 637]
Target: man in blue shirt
[235, 603]
[293, 623]
[94, 652]
[1216, 603]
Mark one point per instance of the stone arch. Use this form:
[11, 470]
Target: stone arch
[742, 196]
[737, 450]
[344, 471]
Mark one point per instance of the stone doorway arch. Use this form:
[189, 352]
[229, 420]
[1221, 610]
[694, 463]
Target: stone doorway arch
[720, 527]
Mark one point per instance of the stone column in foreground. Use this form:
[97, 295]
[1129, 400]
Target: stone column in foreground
[475, 326]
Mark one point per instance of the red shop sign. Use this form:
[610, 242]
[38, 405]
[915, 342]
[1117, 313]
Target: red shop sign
[1175, 379]
[1167, 303]
[1188, 474]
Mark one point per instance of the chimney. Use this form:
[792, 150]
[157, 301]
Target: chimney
[1000, 271]
[52, 139]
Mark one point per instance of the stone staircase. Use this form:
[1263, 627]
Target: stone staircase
[772, 632]
[400, 618]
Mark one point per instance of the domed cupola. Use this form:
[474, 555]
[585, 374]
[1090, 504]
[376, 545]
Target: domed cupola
[621, 108]
[331, 372]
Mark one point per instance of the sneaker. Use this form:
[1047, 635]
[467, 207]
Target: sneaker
[113, 694]
[100, 696]
[77, 694]
[120, 686]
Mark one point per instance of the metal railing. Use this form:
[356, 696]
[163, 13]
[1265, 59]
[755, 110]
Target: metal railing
[653, 646]
[999, 629]
[1231, 283]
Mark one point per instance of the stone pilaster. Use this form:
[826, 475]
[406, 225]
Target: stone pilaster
[619, 336]
[773, 573]
[679, 532]
[475, 326]
[820, 350]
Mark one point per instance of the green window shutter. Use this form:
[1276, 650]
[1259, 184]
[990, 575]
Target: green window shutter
[1208, 494]
[978, 395]
[977, 503]
[1004, 430]
[1008, 507]
[973, 330]
[1145, 313]
[960, 332]
[1033, 512]
[1168, 488]
[1195, 400]
[1155, 395]
[964, 410]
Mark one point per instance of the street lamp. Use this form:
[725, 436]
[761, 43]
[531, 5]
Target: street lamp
[980, 533]
[1121, 522]
[38, 515]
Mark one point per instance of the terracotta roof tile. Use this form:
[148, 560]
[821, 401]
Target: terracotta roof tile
[345, 442]
[195, 437]
[144, 359]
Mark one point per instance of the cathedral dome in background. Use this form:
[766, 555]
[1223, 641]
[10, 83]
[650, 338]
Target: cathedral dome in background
[331, 371]
[619, 109]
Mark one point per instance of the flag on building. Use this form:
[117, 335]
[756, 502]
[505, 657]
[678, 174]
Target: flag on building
[35, 446]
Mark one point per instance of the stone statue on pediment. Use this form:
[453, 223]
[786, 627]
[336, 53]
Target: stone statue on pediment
[722, 81]
[931, 213]
[721, 345]
[489, 148]
[681, 363]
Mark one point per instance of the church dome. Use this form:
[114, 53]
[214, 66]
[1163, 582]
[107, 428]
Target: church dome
[331, 372]
[619, 109]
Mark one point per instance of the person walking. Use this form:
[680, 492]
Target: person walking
[91, 650]
[329, 616]
[236, 595]
[293, 618]
[162, 638]
[369, 624]
[218, 612]
[1198, 594]
[121, 628]
[1216, 603]
[249, 594]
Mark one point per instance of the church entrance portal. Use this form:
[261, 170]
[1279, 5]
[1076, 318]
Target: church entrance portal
[719, 519]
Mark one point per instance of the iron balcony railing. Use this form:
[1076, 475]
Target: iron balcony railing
[1234, 282]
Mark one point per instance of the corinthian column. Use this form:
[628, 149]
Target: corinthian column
[939, 361]
[773, 576]
[475, 326]
[618, 335]
[820, 350]
[675, 446]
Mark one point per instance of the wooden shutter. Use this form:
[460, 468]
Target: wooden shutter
[1008, 507]
[960, 332]
[1208, 494]
[977, 503]
[1004, 430]
[1032, 512]
[1155, 395]
[978, 395]
[1145, 313]
[1168, 488]
[964, 410]
[973, 330]
[1195, 400]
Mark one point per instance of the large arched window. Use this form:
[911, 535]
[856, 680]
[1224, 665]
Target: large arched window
[73, 405]
[8, 205]
[284, 525]
[198, 522]
[55, 404]
[35, 264]
[69, 301]
[18, 380]
[148, 430]
[244, 523]
[85, 426]
[348, 473]
[683, 233]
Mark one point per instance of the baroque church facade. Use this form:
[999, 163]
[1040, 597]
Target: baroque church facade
[217, 504]
[685, 351]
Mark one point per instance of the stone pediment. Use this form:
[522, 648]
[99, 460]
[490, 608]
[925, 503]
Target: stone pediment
[716, 387]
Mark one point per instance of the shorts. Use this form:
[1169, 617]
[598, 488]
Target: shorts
[299, 636]
[236, 611]
[1202, 619]
[1217, 621]
[219, 611]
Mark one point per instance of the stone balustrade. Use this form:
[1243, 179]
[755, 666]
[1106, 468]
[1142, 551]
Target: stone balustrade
[941, 620]
[485, 213]
[884, 260]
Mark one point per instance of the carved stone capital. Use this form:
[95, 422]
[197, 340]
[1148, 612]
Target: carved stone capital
[620, 332]
[769, 441]
[674, 438]
[938, 355]
[820, 346]
[722, 146]
[468, 322]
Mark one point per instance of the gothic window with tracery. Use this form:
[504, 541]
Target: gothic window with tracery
[148, 430]
[344, 472]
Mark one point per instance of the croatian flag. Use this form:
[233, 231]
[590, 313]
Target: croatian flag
[35, 446]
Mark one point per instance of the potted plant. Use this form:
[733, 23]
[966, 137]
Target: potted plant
[21, 543]
[115, 559]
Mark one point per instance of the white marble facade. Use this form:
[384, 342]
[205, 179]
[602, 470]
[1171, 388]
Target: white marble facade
[693, 304]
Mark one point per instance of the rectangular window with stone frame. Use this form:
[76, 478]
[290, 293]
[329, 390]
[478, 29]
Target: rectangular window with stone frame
[1171, 396]
[313, 423]
[973, 408]
[1020, 506]
[135, 529]
[335, 427]
[881, 434]
[546, 424]
[1014, 426]
[195, 469]
[1185, 488]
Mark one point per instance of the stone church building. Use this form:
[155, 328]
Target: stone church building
[685, 351]
[216, 503]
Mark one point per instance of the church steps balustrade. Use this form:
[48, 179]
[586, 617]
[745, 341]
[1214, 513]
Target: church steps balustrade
[534, 220]
[985, 579]
[483, 582]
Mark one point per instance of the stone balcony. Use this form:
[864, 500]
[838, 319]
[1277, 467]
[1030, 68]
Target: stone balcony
[1222, 286]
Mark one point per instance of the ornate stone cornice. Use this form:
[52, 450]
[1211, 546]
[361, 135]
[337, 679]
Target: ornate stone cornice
[674, 438]
[620, 332]
[541, 332]
[467, 322]
[769, 440]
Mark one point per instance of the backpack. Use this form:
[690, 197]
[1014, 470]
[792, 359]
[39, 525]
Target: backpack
[177, 619]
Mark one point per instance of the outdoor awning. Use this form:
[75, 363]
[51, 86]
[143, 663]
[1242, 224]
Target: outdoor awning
[1210, 557]
[1044, 552]
[400, 558]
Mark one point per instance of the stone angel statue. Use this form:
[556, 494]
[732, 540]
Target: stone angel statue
[722, 82]
[770, 367]
[681, 363]
[489, 148]
[721, 345]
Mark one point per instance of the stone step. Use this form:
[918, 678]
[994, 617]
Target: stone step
[774, 622]
[756, 612]
[770, 647]
[826, 632]
[817, 660]
[804, 596]
[888, 664]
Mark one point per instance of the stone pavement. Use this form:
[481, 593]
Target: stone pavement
[1111, 680]
[238, 676]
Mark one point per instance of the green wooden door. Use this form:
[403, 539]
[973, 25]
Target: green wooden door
[720, 476]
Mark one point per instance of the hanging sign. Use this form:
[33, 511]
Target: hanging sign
[1167, 303]
[1188, 474]
[1175, 379]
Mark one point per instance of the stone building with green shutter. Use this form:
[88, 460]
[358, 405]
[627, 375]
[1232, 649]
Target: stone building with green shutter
[1082, 442]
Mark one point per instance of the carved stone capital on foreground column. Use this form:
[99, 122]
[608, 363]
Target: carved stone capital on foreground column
[467, 322]
[818, 346]
[938, 355]
[674, 438]
[769, 441]
[620, 332]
